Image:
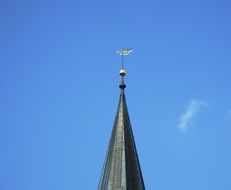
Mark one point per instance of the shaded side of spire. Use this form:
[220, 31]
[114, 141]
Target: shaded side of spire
[121, 168]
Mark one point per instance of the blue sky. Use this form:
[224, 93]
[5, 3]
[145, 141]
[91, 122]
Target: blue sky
[59, 91]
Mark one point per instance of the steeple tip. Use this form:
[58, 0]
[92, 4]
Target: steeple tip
[122, 169]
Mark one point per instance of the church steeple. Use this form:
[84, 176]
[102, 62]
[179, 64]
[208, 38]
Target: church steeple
[121, 168]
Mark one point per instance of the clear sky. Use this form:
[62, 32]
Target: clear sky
[59, 91]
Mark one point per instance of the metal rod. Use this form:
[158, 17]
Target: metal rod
[122, 58]
[122, 61]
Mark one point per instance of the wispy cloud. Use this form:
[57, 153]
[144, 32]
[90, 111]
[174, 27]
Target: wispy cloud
[228, 113]
[192, 109]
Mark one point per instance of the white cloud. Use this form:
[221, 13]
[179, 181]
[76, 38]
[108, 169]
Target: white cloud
[192, 109]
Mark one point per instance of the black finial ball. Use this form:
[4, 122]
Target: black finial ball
[122, 86]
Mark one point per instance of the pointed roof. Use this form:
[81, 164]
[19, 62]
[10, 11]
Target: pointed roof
[121, 168]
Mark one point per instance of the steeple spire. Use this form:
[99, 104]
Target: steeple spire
[121, 169]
